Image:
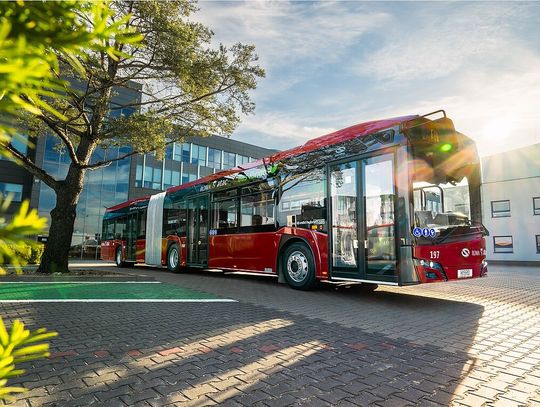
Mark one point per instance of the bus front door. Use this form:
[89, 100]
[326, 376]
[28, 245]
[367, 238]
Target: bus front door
[197, 233]
[362, 236]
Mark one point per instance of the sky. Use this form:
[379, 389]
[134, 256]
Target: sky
[330, 65]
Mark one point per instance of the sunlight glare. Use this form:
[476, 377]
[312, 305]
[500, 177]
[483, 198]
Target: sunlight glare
[498, 129]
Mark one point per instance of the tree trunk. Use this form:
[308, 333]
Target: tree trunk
[55, 256]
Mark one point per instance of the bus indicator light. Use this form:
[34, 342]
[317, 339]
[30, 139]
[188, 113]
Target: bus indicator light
[445, 148]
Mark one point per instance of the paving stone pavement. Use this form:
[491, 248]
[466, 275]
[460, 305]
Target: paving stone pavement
[468, 343]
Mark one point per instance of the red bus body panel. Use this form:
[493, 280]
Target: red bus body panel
[244, 251]
[452, 257]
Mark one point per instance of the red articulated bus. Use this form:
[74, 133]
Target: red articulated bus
[393, 202]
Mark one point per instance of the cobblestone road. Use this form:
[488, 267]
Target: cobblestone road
[467, 343]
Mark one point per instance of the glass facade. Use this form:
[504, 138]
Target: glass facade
[14, 190]
[214, 158]
[20, 143]
[103, 187]
[183, 162]
[198, 155]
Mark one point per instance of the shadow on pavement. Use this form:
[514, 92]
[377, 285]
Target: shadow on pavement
[248, 354]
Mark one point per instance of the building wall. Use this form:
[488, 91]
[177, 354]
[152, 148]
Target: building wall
[511, 181]
[15, 180]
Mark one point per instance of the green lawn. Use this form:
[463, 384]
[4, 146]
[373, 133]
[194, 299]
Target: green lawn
[96, 291]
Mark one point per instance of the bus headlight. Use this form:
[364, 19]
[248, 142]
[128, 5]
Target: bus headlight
[432, 269]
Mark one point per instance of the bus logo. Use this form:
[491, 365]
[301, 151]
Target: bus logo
[465, 252]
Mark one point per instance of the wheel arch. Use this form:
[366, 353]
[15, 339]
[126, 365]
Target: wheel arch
[284, 243]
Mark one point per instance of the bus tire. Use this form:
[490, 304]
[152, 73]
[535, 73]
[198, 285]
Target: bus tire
[173, 258]
[299, 267]
[118, 257]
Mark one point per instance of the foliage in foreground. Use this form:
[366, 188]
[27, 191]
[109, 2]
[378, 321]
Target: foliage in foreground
[19, 345]
[15, 235]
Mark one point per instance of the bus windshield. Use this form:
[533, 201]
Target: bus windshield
[442, 205]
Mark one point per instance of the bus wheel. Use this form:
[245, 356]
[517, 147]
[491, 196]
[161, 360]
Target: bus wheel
[299, 267]
[173, 258]
[118, 258]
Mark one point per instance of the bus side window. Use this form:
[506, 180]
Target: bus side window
[142, 225]
[257, 209]
[120, 228]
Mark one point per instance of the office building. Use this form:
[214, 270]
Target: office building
[125, 179]
[511, 204]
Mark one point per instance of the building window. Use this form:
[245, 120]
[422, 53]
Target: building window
[171, 178]
[181, 152]
[138, 176]
[536, 205]
[169, 151]
[214, 158]
[188, 176]
[198, 155]
[503, 244]
[538, 244]
[13, 190]
[152, 177]
[229, 160]
[500, 209]
[20, 143]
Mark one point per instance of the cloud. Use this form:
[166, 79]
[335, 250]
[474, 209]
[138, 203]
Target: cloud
[441, 39]
[331, 65]
[294, 40]
[280, 130]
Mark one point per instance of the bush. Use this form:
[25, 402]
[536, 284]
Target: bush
[17, 345]
[36, 251]
[25, 252]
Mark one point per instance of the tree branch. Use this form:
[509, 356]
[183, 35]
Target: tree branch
[65, 139]
[32, 168]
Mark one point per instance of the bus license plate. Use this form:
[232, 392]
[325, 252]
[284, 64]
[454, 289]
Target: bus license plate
[464, 273]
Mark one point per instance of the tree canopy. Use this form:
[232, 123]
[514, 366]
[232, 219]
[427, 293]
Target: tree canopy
[189, 86]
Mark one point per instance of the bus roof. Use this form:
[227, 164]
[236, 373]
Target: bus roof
[358, 130]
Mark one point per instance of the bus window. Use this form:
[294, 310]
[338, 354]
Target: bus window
[108, 230]
[120, 228]
[175, 219]
[142, 225]
[303, 201]
[225, 209]
[257, 209]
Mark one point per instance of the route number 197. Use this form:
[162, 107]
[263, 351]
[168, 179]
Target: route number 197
[434, 254]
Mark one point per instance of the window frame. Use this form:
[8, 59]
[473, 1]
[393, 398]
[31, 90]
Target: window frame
[503, 214]
[503, 252]
[536, 210]
[218, 198]
[263, 227]
[537, 244]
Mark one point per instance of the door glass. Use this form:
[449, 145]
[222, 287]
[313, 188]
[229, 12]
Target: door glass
[379, 207]
[344, 216]
[132, 236]
[203, 230]
[192, 232]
